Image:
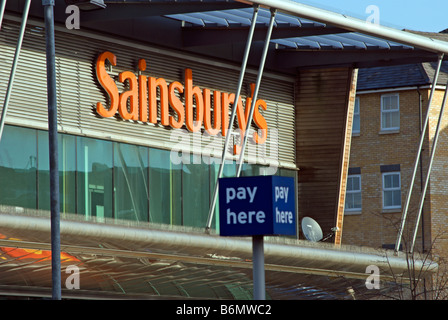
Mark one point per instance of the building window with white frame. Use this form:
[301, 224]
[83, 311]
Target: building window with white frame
[353, 201]
[390, 112]
[356, 118]
[391, 190]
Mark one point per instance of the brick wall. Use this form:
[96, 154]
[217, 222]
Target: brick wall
[372, 148]
[439, 179]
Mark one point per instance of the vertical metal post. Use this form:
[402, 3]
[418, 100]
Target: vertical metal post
[2, 11]
[257, 87]
[53, 147]
[431, 160]
[258, 267]
[417, 158]
[259, 286]
[15, 61]
[232, 117]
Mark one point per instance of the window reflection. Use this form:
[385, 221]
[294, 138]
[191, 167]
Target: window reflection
[67, 172]
[165, 193]
[130, 182]
[94, 178]
[195, 192]
[102, 179]
[18, 164]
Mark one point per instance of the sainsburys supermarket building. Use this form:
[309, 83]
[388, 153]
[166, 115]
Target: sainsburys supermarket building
[145, 93]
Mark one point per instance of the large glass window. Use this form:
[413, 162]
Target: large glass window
[165, 188]
[195, 192]
[43, 173]
[131, 182]
[229, 170]
[67, 172]
[18, 165]
[283, 172]
[102, 179]
[356, 118]
[94, 178]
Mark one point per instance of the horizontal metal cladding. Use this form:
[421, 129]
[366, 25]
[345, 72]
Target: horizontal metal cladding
[78, 91]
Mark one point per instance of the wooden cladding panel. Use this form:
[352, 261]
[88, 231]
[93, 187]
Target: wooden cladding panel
[324, 112]
[346, 155]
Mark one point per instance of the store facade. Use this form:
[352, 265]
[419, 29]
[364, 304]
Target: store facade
[114, 163]
[143, 113]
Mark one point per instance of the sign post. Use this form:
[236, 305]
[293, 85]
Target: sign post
[257, 206]
[258, 267]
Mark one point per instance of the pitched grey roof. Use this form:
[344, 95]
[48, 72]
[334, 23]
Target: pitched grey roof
[405, 75]
[430, 69]
[391, 77]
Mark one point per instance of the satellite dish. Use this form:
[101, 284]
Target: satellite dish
[311, 229]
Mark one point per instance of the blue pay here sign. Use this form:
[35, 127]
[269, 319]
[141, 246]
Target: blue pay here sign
[260, 205]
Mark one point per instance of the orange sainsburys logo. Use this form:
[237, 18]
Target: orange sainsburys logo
[177, 104]
[35, 255]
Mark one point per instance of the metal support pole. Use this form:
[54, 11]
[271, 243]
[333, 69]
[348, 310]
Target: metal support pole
[431, 160]
[257, 87]
[232, 117]
[258, 267]
[53, 147]
[15, 61]
[2, 12]
[257, 241]
[417, 158]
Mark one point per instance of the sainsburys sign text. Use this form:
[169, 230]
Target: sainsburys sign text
[179, 104]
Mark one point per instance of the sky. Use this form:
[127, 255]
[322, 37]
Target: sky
[418, 15]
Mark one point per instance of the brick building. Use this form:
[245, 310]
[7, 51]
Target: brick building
[390, 109]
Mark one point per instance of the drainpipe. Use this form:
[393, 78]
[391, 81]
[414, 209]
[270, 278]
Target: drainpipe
[420, 116]
[419, 150]
[431, 160]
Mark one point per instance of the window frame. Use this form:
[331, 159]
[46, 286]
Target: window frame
[384, 189]
[357, 103]
[390, 111]
[352, 210]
